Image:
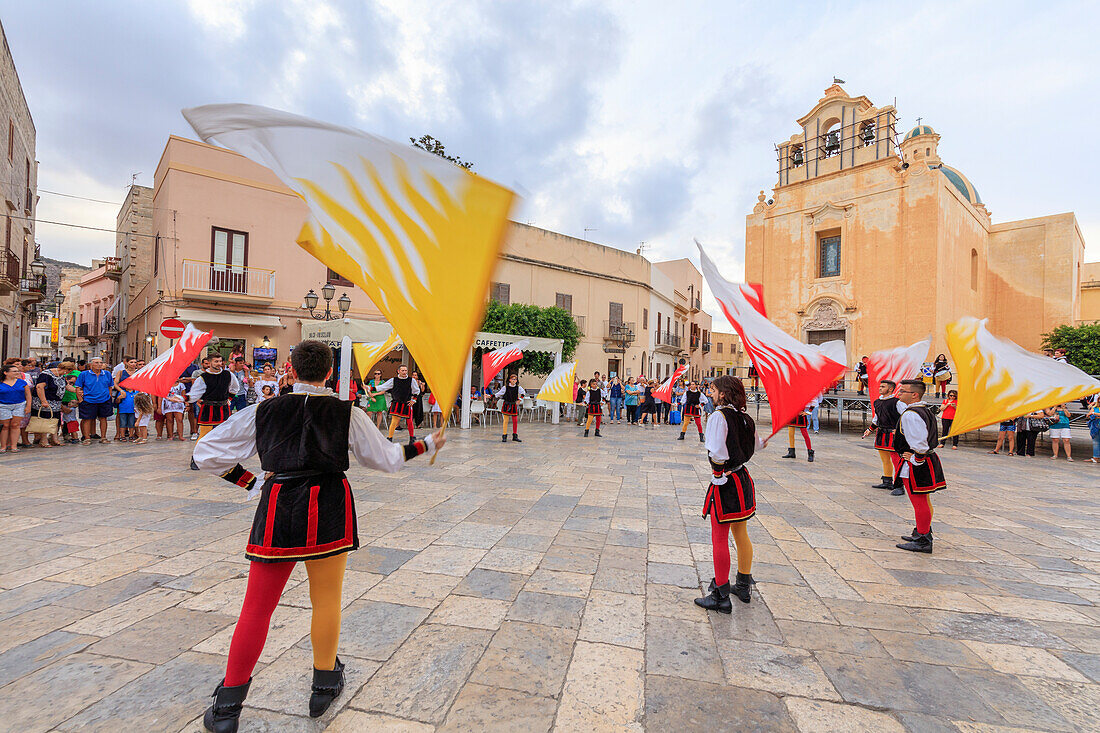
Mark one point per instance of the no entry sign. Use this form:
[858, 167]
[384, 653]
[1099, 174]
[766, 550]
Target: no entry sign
[171, 328]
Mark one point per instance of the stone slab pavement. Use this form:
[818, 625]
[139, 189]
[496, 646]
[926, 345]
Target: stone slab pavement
[548, 585]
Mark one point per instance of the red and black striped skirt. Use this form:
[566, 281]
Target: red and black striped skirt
[733, 501]
[509, 408]
[401, 409]
[213, 414]
[884, 439]
[926, 477]
[305, 518]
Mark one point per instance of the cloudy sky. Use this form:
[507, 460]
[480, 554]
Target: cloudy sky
[638, 121]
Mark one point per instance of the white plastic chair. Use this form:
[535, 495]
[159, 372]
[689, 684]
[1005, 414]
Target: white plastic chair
[527, 405]
[477, 409]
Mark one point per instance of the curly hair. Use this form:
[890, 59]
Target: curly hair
[730, 391]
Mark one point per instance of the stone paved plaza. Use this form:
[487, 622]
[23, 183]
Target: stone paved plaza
[548, 585]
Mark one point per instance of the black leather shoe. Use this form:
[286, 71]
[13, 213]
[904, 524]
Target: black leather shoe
[327, 686]
[810, 455]
[598, 433]
[717, 600]
[898, 491]
[681, 437]
[914, 535]
[742, 587]
[586, 433]
[922, 543]
[194, 466]
[222, 716]
[790, 453]
[515, 438]
[504, 439]
[885, 483]
[702, 439]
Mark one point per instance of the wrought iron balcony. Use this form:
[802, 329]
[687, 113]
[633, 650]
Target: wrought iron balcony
[706, 347]
[214, 281]
[697, 305]
[112, 267]
[110, 325]
[621, 333]
[579, 320]
[9, 272]
[32, 289]
[82, 330]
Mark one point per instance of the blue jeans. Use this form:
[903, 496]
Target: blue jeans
[813, 417]
[616, 408]
[240, 401]
[1095, 435]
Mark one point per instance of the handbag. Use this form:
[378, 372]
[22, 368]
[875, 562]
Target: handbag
[42, 425]
[1039, 424]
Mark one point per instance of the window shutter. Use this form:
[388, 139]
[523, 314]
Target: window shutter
[615, 312]
[500, 292]
[564, 301]
[645, 318]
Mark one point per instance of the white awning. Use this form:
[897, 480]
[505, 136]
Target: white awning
[492, 341]
[234, 319]
[333, 332]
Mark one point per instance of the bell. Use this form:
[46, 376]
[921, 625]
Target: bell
[796, 157]
[867, 134]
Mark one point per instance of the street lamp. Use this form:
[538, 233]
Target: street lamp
[328, 292]
[59, 298]
[38, 267]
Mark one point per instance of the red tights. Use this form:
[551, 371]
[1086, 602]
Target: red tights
[922, 507]
[265, 585]
[698, 425]
[720, 548]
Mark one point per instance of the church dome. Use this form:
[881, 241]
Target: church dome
[961, 182]
[919, 130]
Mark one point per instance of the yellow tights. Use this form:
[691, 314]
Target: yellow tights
[740, 532]
[326, 585]
[887, 464]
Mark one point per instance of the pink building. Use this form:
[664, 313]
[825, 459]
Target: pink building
[224, 255]
[97, 319]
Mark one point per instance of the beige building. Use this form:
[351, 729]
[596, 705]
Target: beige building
[1090, 292]
[20, 287]
[222, 254]
[881, 243]
[727, 356]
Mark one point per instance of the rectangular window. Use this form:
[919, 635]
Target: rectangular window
[11, 139]
[658, 327]
[830, 256]
[564, 301]
[500, 292]
[7, 237]
[719, 345]
[335, 278]
[228, 260]
[156, 254]
[645, 317]
[615, 312]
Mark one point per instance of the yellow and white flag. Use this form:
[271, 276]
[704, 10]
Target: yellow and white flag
[558, 387]
[368, 353]
[998, 380]
[418, 234]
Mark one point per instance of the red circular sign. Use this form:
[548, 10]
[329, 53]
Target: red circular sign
[172, 328]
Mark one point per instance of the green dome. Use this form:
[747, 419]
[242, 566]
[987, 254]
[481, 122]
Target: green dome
[961, 182]
[920, 130]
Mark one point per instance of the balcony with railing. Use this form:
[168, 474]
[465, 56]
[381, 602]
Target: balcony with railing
[694, 341]
[112, 268]
[83, 330]
[697, 305]
[668, 343]
[579, 320]
[217, 281]
[110, 325]
[618, 335]
[32, 289]
[9, 272]
[706, 347]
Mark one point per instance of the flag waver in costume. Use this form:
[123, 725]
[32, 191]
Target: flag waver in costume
[890, 367]
[418, 234]
[896, 365]
[793, 373]
[160, 375]
[493, 361]
[999, 380]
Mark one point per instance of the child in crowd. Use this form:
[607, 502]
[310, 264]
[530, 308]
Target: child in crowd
[69, 404]
[126, 425]
[143, 413]
[266, 392]
[173, 411]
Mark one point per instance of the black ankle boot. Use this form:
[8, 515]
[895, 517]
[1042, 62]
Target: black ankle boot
[885, 483]
[899, 489]
[194, 466]
[702, 439]
[598, 433]
[327, 686]
[222, 716]
[742, 587]
[914, 535]
[515, 438]
[504, 439]
[810, 455]
[718, 600]
[790, 453]
[922, 543]
[586, 433]
[681, 437]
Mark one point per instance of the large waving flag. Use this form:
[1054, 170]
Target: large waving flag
[368, 353]
[493, 361]
[895, 365]
[664, 392]
[754, 293]
[558, 387]
[160, 375]
[418, 234]
[998, 380]
[793, 373]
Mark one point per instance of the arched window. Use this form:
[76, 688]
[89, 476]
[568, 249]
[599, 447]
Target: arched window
[973, 269]
[867, 133]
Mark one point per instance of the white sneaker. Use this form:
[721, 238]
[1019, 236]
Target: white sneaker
[194, 436]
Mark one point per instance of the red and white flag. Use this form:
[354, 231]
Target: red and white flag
[492, 362]
[793, 373]
[160, 375]
[664, 392]
[754, 293]
[895, 364]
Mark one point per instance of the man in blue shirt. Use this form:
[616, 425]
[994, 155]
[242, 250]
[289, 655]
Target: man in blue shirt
[94, 389]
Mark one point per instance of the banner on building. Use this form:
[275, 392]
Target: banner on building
[560, 384]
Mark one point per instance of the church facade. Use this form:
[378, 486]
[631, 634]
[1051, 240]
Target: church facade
[877, 241]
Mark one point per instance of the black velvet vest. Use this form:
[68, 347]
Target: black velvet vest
[401, 391]
[691, 398]
[297, 432]
[886, 413]
[511, 394]
[217, 386]
[902, 446]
